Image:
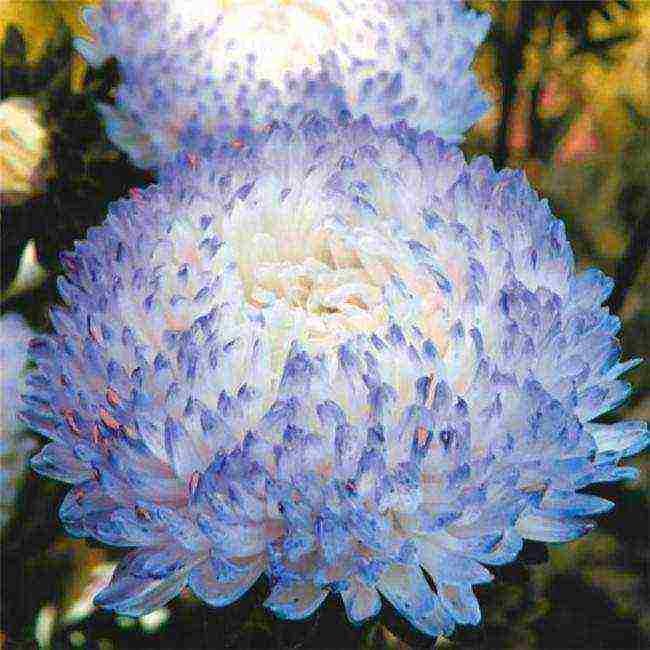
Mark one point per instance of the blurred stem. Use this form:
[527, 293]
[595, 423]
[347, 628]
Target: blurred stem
[511, 45]
[204, 627]
[630, 264]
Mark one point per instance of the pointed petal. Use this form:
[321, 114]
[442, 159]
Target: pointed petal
[48, 426]
[505, 551]
[134, 596]
[537, 527]
[84, 500]
[609, 474]
[159, 563]
[361, 601]
[628, 438]
[450, 568]
[622, 368]
[407, 589]
[59, 462]
[239, 540]
[220, 588]
[501, 549]
[564, 503]
[295, 601]
[460, 602]
[183, 455]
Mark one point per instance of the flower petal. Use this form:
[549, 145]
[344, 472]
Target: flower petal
[295, 601]
[132, 596]
[536, 526]
[219, 588]
[460, 602]
[408, 591]
[59, 462]
[361, 601]
[450, 568]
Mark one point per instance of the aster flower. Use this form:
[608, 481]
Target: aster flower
[202, 70]
[344, 359]
[14, 445]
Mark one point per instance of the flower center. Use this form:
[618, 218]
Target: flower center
[298, 33]
[307, 267]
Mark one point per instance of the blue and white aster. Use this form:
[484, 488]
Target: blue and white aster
[15, 334]
[200, 71]
[344, 359]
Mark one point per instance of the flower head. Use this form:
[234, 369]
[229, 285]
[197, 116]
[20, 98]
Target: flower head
[342, 358]
[200, 70]
[14, 446]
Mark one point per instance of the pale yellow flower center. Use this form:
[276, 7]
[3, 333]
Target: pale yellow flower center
[284, 36]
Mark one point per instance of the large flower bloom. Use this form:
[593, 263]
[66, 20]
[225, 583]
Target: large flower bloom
[224, 70]
[15, 334]
[344, 359]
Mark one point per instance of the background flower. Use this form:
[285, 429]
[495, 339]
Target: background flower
[198, 71]
[14, 444]
[23, 150]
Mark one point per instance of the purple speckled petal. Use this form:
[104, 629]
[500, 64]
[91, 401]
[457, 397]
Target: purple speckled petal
[295, 601]
[135, 596]
[361, 601]
[408, 591]
[219, 587]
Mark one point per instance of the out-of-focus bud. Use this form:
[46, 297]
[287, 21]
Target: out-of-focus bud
[92, 580]
[30, 273]
[44, 626]
[24, 151]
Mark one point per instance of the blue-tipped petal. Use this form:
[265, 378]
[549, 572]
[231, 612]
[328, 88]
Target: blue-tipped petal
[132, 596]
[361, 601]
[184, 456]
[460, 601]
[451, 568]
[563, 503]
[218, 588]
[159, 563]
[295, 601]
[538, 527]
[127, 135]
[408, 591]
[59, 462]
[628, 438]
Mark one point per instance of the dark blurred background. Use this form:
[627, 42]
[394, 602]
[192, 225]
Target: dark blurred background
[571, 88]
